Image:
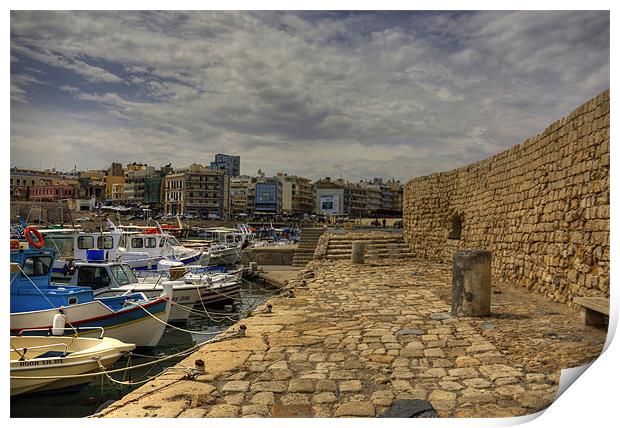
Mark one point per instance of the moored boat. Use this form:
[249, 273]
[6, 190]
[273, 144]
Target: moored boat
[37, 303]
[44, 364]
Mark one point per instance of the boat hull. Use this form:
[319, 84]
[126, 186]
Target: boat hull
[183, 298]
[133, 325]
[225, 257]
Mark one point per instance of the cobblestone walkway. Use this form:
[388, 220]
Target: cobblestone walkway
[355, 339]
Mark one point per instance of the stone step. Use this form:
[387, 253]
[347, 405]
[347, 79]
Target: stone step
[308, 242]
[364, 237]
[369, 250]
[330, 253]
[378, 241]
[371, 256]
[370, 245]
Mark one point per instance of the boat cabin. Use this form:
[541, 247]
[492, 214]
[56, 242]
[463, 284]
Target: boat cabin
[31, 286]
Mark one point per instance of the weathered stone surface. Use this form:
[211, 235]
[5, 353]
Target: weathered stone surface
[193, 413]
[236, 386]
[255, 409]
[265, 397]
[270, 386]
[292, 411]
[384, 397]
[495, 371]
[324, 397]
[355, 409]
[301, 385]
[466, 361]
[476, 396]
[295, 398]
[326, 385]
[223, 411]
[361, 310]
[350, 386]
[442, 400]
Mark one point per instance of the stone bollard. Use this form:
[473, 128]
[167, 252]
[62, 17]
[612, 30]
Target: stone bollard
[253, 266]
[357, 252]
[471, 283]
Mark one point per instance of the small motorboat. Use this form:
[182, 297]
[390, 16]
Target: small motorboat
[52, 363]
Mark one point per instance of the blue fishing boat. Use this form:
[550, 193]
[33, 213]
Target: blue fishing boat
[39, 306]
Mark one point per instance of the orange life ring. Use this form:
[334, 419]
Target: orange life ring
[39, 242]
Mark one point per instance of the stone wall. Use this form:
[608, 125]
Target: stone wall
[48, 212]
[280, 255]
[541, 207]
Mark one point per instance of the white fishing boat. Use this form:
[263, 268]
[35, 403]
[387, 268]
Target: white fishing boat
[141, 249]
[53, 363]
[225, 244]
[108, 279]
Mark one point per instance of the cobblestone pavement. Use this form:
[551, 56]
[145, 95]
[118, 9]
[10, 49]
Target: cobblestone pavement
[354, 339]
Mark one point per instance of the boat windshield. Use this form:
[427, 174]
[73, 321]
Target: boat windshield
[132, 276]
[120, 275]
[173, 241]
[63, 243]
[37, 266]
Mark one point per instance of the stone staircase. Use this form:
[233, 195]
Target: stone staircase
[378, 246]
[305, 249]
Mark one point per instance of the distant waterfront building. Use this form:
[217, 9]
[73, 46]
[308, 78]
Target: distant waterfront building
[135, 183]
[52, 192]
[230, 163]
[329, 197]
[239, 189]
[268, 197]
[198, 191]
[116, 169]
[297, 198]
[23, 180]
[153, 189]
[114, 188]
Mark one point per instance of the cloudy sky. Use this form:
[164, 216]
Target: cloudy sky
[357, 95]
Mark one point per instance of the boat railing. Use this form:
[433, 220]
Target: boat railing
[75, 330]
[24, 350]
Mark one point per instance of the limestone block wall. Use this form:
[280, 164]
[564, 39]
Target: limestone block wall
[541, 207]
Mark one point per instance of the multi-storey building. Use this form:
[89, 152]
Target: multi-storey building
[329, 197]
[230, 163]
[297, 197]
[373, 197]
[135, 183]
[356, 200]
[52, 192]
[114, 188]
[268, 196]
[198, 191]
[239, 189]
[23, 180]
[153, 189]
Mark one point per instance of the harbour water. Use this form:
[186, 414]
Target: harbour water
[101, 391]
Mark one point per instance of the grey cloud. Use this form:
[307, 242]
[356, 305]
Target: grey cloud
[318, 93]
